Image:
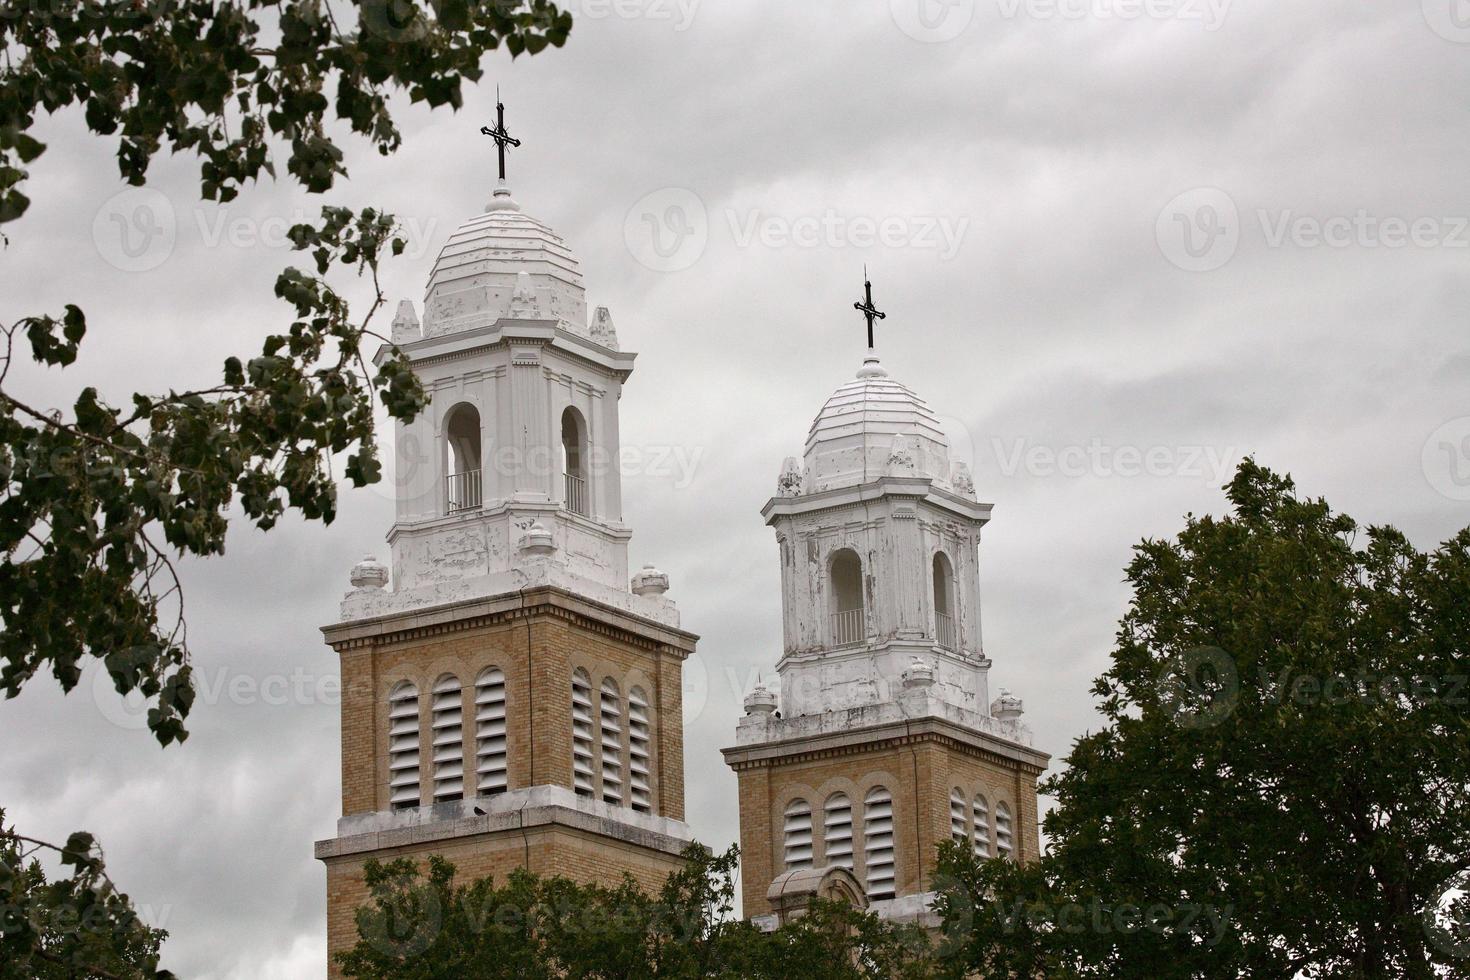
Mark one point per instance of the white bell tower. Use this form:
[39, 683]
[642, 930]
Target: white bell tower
[879, 537]
[512, 469]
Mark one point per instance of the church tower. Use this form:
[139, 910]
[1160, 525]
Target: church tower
[511, 699]
[884, 740]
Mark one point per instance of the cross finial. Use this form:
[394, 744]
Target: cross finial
[498, 134]
[866, 307]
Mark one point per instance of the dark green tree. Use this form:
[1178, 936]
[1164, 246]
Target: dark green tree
[98, 502]
[428, 927]
[1282, 785]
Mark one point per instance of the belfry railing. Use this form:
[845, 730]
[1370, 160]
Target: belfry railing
[576, 495]
[847, 627]
[464, 491]
[944, 631]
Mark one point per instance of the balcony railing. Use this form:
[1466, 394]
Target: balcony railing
[464, 491]
[847, 627]
[576, 495]
[944, 631]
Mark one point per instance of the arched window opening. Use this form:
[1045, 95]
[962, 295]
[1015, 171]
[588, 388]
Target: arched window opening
[612, 743]
[982, 827]
[447, 737]
[582, 733]
[837, 831]
[638, 751]
[957, 810]
[1003, 831]
[944, 604]
[490, 746]
[878, 843]
[847, 598]
[403, 746]
[462, 442]
[574, 460]
[798, 851]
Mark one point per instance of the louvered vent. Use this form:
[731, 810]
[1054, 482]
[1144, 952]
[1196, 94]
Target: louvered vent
[403, 746]
[878, 843]
[638, 750]
[582, 734]
[448, 740]
[490, 745]
[837, 831]
[612, 744]
[798, 850]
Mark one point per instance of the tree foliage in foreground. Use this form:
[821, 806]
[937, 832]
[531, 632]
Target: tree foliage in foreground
[98, 500]
[427, 926]
[1282, 785]
[77, 926]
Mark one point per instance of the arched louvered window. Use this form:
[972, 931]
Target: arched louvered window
[612, 743]
[447, 738]
[837, 831]
[1003, 846]
[582, 733]
[403, 746]
[957, 814]
[490, 767]
[878, 843]
[798, 849]
[638, 751]
[981, 836]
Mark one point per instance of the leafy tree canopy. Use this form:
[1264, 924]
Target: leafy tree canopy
[1282, 785]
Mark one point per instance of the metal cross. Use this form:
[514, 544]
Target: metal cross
[866, 307]
[499, 135]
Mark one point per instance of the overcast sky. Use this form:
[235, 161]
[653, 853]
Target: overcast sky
[1120, 245]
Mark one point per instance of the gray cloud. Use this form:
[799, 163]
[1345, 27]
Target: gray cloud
[1058, 323]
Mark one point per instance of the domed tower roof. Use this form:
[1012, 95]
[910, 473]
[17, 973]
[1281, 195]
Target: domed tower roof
[872, 427]
[504, 263]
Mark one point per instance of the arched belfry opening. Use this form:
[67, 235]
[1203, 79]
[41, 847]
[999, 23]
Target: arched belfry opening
[847, 598]
[463, 482]
[945, 635]
[574, 460]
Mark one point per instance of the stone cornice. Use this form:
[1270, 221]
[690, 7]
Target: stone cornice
[508, 332]
[911, 487]
[859, 741]
[417, 623]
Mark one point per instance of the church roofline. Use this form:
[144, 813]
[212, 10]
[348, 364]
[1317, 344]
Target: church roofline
[473, 613]
[505, 332]
[917, 487]
[805, 747]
